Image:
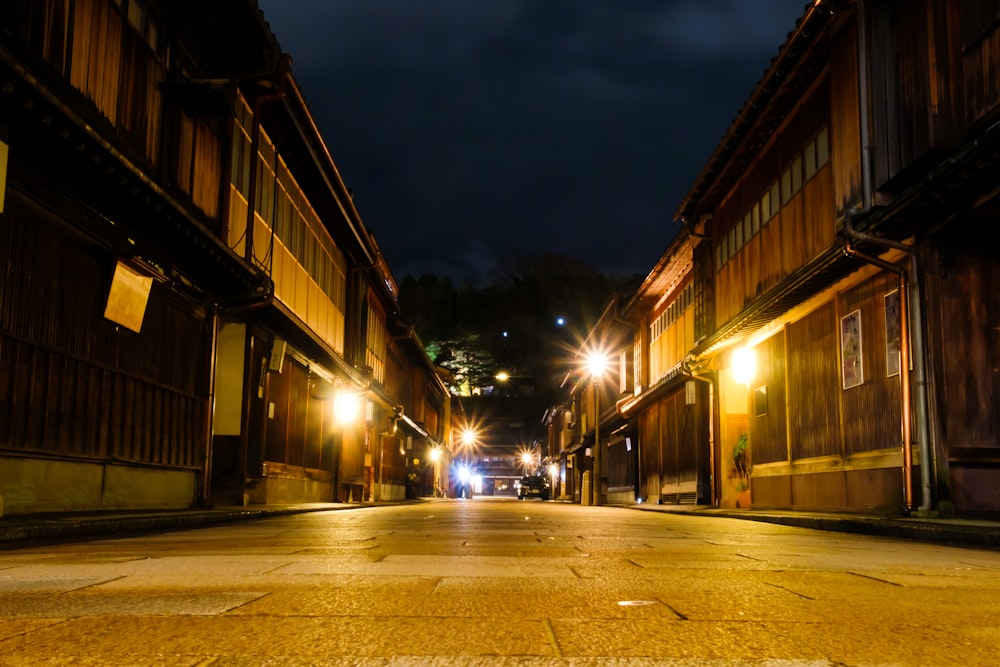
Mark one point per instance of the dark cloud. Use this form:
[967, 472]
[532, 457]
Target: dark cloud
[474, 130]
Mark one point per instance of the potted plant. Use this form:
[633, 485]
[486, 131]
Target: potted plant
[741, 461]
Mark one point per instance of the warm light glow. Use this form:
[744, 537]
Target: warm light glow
[527, 458]
[744, 365]
[502, 376]
[435, 455]
[597, 363]
[468, 437]
[346, 407]
[553, 470]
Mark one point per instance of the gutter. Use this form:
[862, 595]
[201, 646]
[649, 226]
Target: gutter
[121, 161]
[783, 63]
[321, 156]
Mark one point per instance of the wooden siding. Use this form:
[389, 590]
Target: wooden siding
[673, 344]
[74, 384]
[198, 169]
[967, 303]
[376, 339]
[114, 67]
[914, 72]
[669, 437]
[308, 269]
[981, 60]
[299, 434]
[768, 431]
[112, 63]
[777, 218]
[845, 127]
[650, 453]
[619, 464]
[813, 385]
[878, 395]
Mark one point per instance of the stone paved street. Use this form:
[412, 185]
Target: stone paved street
[499, 582]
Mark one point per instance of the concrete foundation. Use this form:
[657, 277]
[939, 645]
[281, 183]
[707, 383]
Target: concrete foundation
[49, 485]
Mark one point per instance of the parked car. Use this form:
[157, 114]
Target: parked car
[534, 486]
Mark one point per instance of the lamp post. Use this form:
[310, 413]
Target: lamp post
[436, 460]
[597, 362]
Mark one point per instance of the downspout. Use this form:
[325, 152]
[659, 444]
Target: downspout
[206, 482]
[904, 370]
[690, 372]
[321, 156]
[905, 299]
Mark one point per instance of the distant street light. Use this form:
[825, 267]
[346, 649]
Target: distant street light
[597, 362]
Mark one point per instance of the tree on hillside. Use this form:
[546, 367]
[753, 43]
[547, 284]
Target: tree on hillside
[527, 321]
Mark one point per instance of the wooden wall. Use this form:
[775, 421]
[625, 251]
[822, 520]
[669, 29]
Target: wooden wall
[980, 61]
[778, 217]
[845, 121]
[916, 83]
[768, 426]
[879, 394]
[669, 436]
[813, 382]
[75, 384]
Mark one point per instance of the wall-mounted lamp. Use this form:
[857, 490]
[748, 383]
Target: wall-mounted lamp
[346, 407]
[744, 365]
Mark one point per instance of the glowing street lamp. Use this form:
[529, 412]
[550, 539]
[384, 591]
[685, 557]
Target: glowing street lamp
[596, 363]
[527, 461]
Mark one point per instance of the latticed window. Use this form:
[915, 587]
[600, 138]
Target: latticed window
[375, 345]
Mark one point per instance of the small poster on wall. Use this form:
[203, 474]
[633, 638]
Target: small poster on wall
[850, 350]
[127, 298]
[892, 331]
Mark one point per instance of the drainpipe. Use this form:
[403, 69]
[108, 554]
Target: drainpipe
[904, 370]
[905, 299]
[206, 469]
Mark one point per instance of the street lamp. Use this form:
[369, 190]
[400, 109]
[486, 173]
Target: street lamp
[597, 362]
[528, 461]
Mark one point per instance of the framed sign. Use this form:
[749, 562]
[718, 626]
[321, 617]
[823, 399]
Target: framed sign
[851, 364]
[892, 332]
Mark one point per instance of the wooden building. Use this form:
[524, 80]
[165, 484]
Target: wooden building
[189, 289]
[670, 402]
[821, 333]
[589, 439]
[843, 216]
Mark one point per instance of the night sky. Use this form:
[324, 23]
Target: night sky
[472, 131]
